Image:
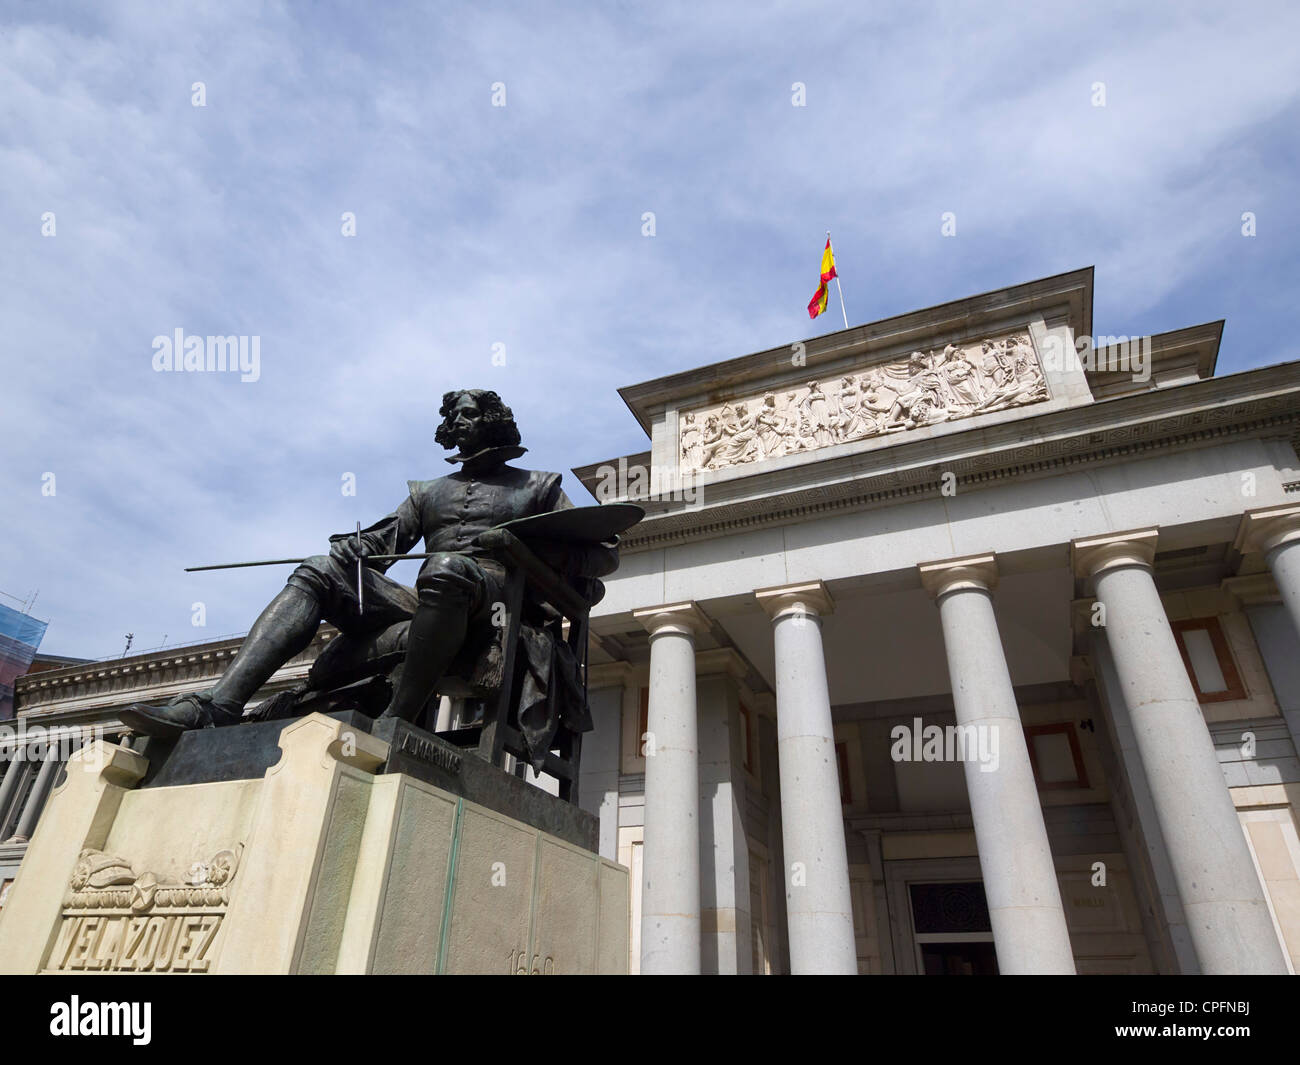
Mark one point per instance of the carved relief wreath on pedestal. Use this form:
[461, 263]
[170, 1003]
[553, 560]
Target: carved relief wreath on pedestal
[117, 920]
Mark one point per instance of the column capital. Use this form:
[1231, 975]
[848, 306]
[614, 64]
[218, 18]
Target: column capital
[1265, 528]
[684, 619]
[968, 573]
[809, 597]
[1091, 555]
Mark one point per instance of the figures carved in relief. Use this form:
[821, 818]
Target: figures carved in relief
[926, 388]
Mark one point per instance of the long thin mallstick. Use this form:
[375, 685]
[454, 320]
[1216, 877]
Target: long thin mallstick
[359, 609]
[299, 561]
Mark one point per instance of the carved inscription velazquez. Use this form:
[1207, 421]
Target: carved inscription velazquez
[117, 921]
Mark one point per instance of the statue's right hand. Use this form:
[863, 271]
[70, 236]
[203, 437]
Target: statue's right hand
[344, 551]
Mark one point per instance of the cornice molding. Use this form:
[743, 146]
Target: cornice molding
[160, 675]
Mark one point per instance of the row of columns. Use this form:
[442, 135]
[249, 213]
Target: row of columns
[40, 790]
[1227, 914]
[1222, 897]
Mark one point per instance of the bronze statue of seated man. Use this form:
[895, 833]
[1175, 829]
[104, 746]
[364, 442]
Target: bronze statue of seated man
[456, 587]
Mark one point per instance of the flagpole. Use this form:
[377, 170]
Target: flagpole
[839, 288]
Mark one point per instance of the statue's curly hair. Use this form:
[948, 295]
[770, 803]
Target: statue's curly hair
[499, 427]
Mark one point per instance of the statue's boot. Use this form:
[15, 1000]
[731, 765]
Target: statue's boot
[284, 629]
[435, 635]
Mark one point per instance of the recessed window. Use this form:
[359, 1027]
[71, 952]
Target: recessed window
[1055, 756]
[1207, 658]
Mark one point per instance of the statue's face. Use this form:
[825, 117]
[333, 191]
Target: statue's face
[467, 425]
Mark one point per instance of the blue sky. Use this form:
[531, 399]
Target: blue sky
[522, 225]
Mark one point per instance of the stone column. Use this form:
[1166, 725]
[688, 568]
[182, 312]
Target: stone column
[1029, 930]
[670, 891]
[1221, 895]
[37, 796]
[14, 771]
[818, 906]
[1181, 947]
[1276, 635]
[1275, 533]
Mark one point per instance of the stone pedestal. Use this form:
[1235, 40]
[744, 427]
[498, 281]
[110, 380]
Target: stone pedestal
[324, 863]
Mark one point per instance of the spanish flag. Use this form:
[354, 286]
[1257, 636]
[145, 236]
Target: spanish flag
[819, 299]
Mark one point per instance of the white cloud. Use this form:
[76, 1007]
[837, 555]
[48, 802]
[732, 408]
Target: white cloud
[521, 225]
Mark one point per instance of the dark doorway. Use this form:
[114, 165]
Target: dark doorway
[950, 921]
[959, 959]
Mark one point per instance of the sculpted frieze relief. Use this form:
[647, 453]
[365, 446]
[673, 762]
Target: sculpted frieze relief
[924, 388]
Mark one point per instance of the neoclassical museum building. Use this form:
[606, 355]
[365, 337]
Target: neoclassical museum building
[961, 642]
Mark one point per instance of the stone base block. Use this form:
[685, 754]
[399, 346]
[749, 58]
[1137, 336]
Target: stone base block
[324, 864]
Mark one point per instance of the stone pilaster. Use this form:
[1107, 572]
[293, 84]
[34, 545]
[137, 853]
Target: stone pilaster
[600, 756]
[726, 944]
